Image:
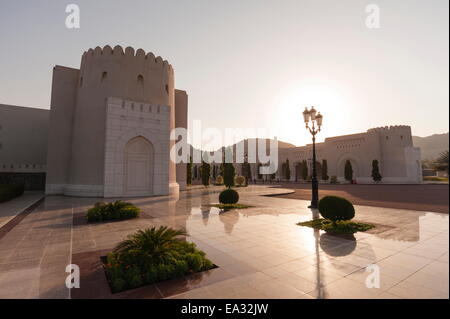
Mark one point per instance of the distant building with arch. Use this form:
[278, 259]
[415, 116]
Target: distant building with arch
[399, 161]
[392, 146]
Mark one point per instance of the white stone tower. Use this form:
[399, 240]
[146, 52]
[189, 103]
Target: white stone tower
[110, 123]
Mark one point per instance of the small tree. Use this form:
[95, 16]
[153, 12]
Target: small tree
[228, 174]
[348, 171]
[304, 170]
[189, 172]
[213, 172]
[376, 176]
[246, 171]
[325, 176]
[205, 171]
[441, 163]
[287, 170]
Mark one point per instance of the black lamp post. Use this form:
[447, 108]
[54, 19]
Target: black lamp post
[316, 120]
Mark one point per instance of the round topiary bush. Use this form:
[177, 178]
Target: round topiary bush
[336, 208]
[229, 196]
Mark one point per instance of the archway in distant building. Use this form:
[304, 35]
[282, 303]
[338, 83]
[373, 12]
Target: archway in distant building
[356, 166]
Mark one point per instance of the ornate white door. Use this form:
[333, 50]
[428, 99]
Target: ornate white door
[138, 163]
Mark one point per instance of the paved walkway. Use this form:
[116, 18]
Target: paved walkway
[260, 251]
[424, 197]
[10, 209]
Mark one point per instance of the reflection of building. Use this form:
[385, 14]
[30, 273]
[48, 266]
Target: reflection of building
[108, 127]
[399, 160]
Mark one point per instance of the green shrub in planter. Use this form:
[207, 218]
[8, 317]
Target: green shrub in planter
[10, 191]
[111, 211]
[152, 255]
[229, 196]
[336, 208]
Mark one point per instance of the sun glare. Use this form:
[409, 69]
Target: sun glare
[292, 101]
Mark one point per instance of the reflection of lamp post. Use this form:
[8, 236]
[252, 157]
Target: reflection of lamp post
[310, 115]
[319, 285]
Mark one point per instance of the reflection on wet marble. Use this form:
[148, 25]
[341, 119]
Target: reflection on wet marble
[261, 251]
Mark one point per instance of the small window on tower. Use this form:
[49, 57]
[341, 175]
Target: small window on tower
[104, 75]
[167, 89]
[81, 81]
[387, 137]
[140, 79]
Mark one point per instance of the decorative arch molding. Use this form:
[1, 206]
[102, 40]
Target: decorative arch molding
[354, 160]
[136, 132]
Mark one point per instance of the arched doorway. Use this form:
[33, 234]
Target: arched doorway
[355, 167]
[138, 170]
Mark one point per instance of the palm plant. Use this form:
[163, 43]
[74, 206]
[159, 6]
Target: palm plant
[150, 246]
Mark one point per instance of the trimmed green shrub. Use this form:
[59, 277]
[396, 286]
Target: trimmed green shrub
[189, 172]
[325, 176]
[336, 208]
[228, 174]
[376, 176]
[111, 211]
[338, 227]
[229, 196]
[304, 170]
[10, 191]
[152, 255]
[205, 172]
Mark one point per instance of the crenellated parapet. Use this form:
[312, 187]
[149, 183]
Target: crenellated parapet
[399, 135]
[391, 128]
[130, 74]
[127, 56]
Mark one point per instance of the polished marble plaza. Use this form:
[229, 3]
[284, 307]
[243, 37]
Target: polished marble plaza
[260, 251]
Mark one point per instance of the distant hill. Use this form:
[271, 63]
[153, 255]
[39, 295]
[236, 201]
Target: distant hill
[431, 146]
[281, 144]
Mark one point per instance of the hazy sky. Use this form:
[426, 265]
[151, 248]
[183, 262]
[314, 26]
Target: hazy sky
[253, 63]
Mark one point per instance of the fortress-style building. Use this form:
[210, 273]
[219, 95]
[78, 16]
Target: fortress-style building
[107, 134]
[399, 161]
